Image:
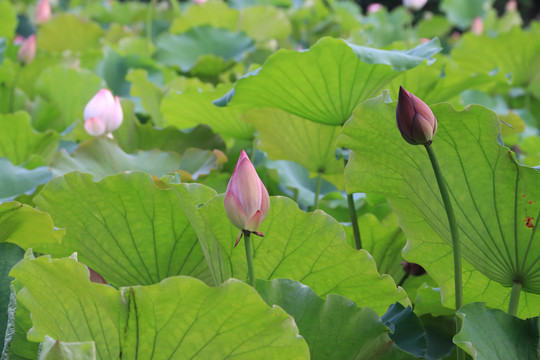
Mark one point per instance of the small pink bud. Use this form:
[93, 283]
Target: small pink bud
[414, 4]
[477, 26]
[374, 7]
[43, 11]
[19, 39]
[511, 6]
[415, 120]
[246, 200]
[27, 51]
[103, 110]
[199, 1]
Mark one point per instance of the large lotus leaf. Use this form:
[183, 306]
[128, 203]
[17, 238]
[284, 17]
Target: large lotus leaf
[127, 228]
[504, 53]
[101, 157]
[214, 13]
[69, 90]
[19, 141]
[428, 301]
[442, 81]
[312, 145]
[463, 12]
[8, 20]
[179, 318]
[132, 135]
[10, 254]
[17, 180]
[264, 22]
[493, 334]
[58, 350]
[192, 107]
[307, 247]
[334, 328]
[68, 32]
[327, 82]
[492, 195]
[184, 49]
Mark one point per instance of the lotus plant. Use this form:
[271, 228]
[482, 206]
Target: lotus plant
[103, 113]
[247, 204]
[418, 125]
[27, 51]
[43, 11]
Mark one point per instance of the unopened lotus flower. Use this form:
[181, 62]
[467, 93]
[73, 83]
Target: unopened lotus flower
[43, 11]
[415, 120]
[414, 4]
[246, 199]
[27, 51]
[477, 26]
[103, 113]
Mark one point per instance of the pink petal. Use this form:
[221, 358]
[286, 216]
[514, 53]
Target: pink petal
[116, 116]
[94, 126]
[255, 221]
[43, 11]
[234, 211]
[27, 51]
[99, 106]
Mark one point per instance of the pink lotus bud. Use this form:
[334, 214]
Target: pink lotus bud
[43, 11]
[511, 6]
[103, 110]
[415, 120]
[414, 4]
[18, 40]
[374, 7]
[477, 26]
[27, 51]
[246, 199]
[199, 1]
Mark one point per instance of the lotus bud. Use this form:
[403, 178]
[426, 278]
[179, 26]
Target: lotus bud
[27, 51]
[246, 199]
[415, 120]
[103, 113]
[511, 6]
[374, 7]
[412, 268]
[43, 11]
[477, 26]
[414, 4]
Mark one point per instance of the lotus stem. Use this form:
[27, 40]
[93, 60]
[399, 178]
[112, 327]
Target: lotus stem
[249, 258]
[354, 221]
[317, 191]
[456, 246]
[514, 298]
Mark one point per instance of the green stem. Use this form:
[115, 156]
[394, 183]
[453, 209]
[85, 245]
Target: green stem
[514, 298]
[354, 221]
[149, 18]
[405, 276]
[249, 258]
[317, 191]
[456, 246]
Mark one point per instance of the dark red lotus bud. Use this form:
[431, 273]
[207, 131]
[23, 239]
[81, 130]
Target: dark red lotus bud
[415, 120]
[412, 268]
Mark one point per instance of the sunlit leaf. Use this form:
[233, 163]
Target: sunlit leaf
[194, 321]
[10, 254]
[126, 227]
[68, 32]
[307, 247]
[58, 350]
[327, 82]
[215, 13]
[8, 20]
[491, 193]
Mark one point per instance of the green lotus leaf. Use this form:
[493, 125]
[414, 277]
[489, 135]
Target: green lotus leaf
[493, 334]
[265, 22]
[126, 227]
[10, 254]
[149, 93]
[215, 13]
[493, 197]
[334, 328]
[325, 83]
[68, 32]
[483, 54]
[8, 21]
[310, 144]
[184, 49]
[17, 180]
[194, 321]
[192, 107]
[307, 247]
[20, 142]
[69, 90]
[462, 12]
